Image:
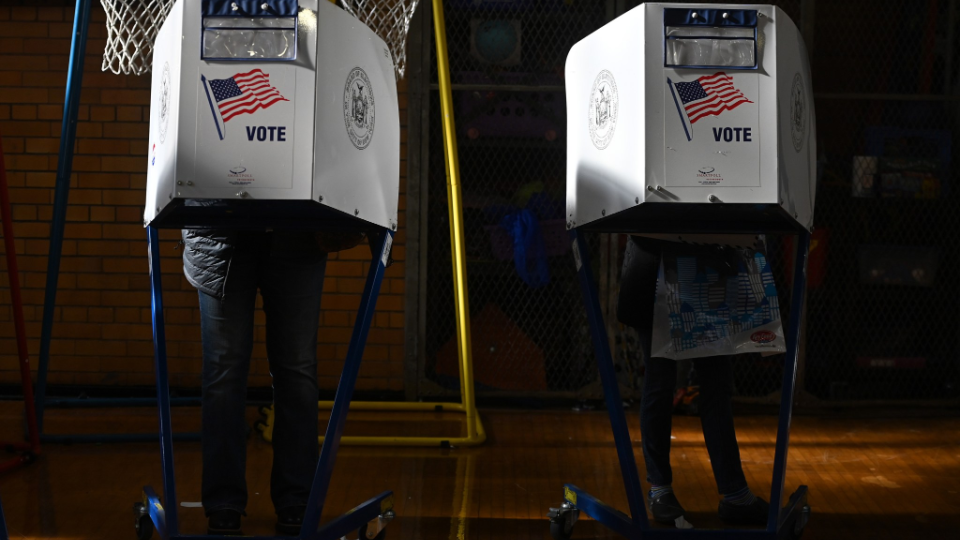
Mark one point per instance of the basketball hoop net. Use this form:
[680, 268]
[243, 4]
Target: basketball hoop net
[390, 19]
[132, 27]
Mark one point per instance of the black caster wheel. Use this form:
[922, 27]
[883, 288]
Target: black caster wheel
[363, 534]
[557, 531]
[801, 523]
[562, 520]
[143, 524]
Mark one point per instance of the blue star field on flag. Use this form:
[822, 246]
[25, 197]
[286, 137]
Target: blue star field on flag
[690, 91]
[224, 89]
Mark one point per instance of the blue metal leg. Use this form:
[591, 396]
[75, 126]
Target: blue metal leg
[156, 511]
[81, 24]
[611, 392]
[341, 403]
[163, 388]
[795, 515]
[614, 519]
[353, 519]
[68, 135]
[3, 525]
[789, 381]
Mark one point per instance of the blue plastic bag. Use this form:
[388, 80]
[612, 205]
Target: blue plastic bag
[529, 252]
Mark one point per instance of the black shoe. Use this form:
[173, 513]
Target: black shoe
[290, 519]
[224, 522]
[666, 508]
[754, 513]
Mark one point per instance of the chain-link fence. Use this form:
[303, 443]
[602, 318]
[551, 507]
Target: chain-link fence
[883, 322]
[880, 319]
[529, 328]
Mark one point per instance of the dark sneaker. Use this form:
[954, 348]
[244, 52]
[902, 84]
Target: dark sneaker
[666, 508]
[290, 519]
[224, 522]
[754, 513]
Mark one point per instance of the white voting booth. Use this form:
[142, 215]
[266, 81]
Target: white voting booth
[283, 101]
[696, 105]
[268, 115]
[690, 122]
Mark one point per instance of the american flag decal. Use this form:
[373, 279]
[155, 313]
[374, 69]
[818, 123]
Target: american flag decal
[709, 95]
[244, 93]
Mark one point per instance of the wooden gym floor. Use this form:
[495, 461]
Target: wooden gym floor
[869, 478]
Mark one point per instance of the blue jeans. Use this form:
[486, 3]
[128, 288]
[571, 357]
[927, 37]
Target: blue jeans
[289, 274]
[715, 376]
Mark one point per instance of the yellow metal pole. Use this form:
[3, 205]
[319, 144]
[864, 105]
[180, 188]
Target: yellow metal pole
[479, 435]
[461, 300]
[460, 517]
[475, 432]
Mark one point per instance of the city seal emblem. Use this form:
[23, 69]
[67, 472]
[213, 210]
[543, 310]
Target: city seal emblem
[164, 101]
[798, 113]
[602, 115]
[359, 111]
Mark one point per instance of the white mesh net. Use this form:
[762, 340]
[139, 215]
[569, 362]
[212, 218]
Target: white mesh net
[390, 19]
[132, 27]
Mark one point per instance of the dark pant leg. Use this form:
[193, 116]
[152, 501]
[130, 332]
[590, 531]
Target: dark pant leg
[638, 290]
[656, 418]
[227, 329]
[715, 375]
[291, 285]
[638, 287]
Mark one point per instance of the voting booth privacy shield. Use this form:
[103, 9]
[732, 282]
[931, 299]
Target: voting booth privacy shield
[283, 101]
[266, 115]
[697, 105]
[695, 123]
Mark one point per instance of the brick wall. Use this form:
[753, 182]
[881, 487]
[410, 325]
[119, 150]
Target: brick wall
[102, 333]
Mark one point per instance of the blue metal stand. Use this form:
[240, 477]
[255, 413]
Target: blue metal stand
[68, 137]
[3, 525]
[786, 522]
[165, 518]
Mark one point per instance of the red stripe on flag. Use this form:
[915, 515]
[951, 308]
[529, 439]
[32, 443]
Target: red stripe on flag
[254, 84]
[254, 72]
[720, 107]
[229, 112]
[257, 93]
[252, 107]
[700, 105]
[244, 100]
[248, 96]
[706, 79]
[722, 96]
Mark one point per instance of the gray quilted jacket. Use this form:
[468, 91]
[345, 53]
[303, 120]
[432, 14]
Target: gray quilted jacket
[206, 258]
[209, 253]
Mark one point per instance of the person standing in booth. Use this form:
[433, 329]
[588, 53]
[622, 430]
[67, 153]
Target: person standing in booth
[641, 264]
[228, 267]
